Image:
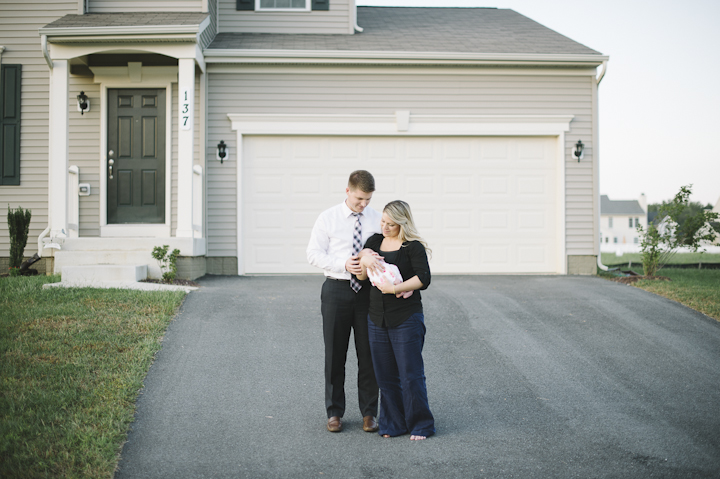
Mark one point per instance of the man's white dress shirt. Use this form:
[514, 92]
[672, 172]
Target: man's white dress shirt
[332, 237]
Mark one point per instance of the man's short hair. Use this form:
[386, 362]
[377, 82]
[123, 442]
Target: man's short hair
[361, 180]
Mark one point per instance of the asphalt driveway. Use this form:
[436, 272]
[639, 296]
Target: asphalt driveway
[528, 376]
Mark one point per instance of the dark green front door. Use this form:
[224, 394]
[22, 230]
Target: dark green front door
[136, 156]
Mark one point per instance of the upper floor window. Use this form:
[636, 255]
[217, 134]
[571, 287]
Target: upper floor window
[637, 222]
[610, 221]
[630, 222]
[282, 5]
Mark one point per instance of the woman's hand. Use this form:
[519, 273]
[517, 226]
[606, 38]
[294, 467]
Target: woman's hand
[386, 288]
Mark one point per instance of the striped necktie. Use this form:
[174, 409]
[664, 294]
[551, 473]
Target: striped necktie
[357, 246]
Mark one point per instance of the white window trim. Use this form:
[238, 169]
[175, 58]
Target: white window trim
[402, 123]
[260, 9]
[152, 77]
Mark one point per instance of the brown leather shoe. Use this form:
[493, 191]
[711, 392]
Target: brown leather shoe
[369, 424]
[334, 424]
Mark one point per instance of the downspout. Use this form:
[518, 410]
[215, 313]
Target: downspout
[2, 49]
[46, 53]
[597, 163]
[41, 245]
[356, 27]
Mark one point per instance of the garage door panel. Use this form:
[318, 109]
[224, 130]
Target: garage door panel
[485, 205]
[345, 148]
[494, 185]
[456, 185]
[421, 149]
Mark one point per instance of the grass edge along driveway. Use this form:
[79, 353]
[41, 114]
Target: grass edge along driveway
[698, 289]
[72, 362]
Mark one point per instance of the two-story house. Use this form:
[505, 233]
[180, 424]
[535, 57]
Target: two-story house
[619, 220]
[223, 127]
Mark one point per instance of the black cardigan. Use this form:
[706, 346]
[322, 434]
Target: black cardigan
[386, 310]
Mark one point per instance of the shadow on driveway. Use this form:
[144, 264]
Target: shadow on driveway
[527, 376]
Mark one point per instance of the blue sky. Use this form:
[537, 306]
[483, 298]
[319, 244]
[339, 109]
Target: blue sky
[660, 99]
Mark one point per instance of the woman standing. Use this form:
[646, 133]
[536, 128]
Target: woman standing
[396, 325]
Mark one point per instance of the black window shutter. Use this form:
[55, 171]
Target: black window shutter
[10, 78]
[321, 4]
[245, 5]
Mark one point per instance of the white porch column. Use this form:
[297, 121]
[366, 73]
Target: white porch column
[186, 146]
[58, 151]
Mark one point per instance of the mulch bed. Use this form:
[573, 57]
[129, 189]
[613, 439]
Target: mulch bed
[632, 279]
[179, 282]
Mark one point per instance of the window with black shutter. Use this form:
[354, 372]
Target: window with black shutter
[265, 5]
[10, 78]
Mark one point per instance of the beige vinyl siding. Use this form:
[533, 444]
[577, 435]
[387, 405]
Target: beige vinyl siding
[337, 20]
[321, 91]
[84, 133]
[19, 24]
[197, 126]
[113, 6]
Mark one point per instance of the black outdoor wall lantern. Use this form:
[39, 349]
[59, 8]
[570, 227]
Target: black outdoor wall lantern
[83, 102]
[579, 148]
[222, 151]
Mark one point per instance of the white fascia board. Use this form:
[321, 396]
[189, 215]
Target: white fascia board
[255, 56]
[413, 125]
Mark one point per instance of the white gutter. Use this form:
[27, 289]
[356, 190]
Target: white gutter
[570, 60]
[46, 53]
[125, 30]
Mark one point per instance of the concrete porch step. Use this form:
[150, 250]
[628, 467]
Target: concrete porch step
[104, 272]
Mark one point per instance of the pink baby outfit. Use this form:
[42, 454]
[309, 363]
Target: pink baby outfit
[390, 275]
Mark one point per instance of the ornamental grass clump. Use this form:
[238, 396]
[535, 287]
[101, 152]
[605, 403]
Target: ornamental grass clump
[19, 227]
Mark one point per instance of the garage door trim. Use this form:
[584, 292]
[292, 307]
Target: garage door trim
[399, 125]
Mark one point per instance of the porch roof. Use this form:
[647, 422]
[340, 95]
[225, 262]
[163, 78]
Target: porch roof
[136, 19]
[396, 29]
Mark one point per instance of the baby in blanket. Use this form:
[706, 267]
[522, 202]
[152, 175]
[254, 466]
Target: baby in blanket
[391, 274]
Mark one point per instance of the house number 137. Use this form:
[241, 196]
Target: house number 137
[186, 110]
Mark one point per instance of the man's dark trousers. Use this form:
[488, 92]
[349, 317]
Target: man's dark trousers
[343, 310]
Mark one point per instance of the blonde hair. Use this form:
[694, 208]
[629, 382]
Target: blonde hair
[399, 212]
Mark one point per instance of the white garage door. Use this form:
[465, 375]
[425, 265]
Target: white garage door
[485, 205]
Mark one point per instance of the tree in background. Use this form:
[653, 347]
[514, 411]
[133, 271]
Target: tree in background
[677, 223]
[19, 226]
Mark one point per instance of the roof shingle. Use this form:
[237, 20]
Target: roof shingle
[459, 30]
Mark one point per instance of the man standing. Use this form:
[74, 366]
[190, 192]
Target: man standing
[338, 235]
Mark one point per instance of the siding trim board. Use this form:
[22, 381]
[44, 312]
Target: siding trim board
[404, 124]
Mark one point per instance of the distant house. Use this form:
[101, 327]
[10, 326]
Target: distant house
[619, 220]
[223, 127]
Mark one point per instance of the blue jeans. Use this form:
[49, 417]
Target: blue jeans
[399, 370]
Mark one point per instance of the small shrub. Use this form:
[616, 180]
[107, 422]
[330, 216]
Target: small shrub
[662, 239]
[19, 227]
[167, 262]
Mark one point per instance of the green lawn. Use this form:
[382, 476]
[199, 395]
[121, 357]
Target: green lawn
[72, 362]
[679, 258]
[697, 289]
